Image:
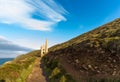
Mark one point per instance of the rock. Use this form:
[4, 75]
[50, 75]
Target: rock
[114, 73]
[105, 65]
[89, 66]
[95, 67]
[84, 67]
[114, 61]
[98, 71]
[114, 69]
[109, 58]
[77, 61]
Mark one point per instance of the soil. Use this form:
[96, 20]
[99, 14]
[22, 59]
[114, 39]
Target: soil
[37, 73]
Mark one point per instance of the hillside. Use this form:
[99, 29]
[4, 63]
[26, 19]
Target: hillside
[108, 30]
[19, 69]
[93, 56]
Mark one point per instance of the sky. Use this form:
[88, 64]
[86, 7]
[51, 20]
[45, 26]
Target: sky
[26, 24]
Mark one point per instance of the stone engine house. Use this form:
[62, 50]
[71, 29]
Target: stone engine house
[44, 48]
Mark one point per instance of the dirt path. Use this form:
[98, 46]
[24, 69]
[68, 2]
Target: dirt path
[36, 74]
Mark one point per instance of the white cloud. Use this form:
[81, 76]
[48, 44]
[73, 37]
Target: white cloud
[10, 54]
[2, 37]
[20, 12]
[10, 49]
[34, 44]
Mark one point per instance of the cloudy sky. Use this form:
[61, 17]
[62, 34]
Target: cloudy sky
[9, 49]
[25, 24]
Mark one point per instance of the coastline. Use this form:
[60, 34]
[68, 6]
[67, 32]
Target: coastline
[5, 60]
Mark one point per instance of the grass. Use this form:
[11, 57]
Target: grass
[105, 38]
[98, 47]
[54, 71]
[19, 69]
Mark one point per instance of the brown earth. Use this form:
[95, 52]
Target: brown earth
[95, 54]
[37, 73]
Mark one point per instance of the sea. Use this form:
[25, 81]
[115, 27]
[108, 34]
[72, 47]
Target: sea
[3, 60]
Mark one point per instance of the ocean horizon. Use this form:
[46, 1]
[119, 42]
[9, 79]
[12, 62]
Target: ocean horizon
[3, 60]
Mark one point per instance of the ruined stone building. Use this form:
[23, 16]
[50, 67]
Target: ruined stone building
[44, 48]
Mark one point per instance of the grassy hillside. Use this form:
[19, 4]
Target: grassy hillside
[108, 30]
[91, 57]
[18, 69]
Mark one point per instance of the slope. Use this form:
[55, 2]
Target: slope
[19, 69]
[37, 74]
[92, 56]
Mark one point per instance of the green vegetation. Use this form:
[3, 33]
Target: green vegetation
[94, 55]
[19, 69]
[55, 72]
[106, 31]
[63, 79]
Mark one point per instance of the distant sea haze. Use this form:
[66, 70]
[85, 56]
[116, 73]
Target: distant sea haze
[3, 60]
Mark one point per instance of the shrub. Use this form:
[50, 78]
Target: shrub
[63, 79]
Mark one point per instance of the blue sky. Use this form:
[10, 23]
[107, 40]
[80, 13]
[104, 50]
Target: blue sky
[27, 23]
